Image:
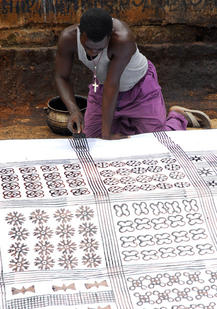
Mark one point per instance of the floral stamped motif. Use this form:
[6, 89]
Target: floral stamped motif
[44, 247]
[62, 215]
[44, 262]
[66, 246]
[39, 216]
[89, 244]
[18, 249]
[68, 261]
[91, 260]
[87, 229]
[46, 254]
[65, 231]
[18, 233]
[43, 232]
[84, 213]
[15, 218]
[19, 264]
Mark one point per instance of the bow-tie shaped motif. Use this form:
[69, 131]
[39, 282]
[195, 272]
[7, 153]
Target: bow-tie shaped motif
[96, 284]
[64, 287]
[23, 290]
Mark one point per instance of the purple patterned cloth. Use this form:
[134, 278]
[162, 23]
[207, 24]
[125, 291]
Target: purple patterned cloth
[139, 110]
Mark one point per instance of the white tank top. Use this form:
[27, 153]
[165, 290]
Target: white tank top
[134, 71]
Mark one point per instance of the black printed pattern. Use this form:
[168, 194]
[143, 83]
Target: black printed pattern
[161, 230]
[10, 183]
[42, 181]
[142, 175]
[44, 227]
[173, 288]
[141, 245]
[18, 235]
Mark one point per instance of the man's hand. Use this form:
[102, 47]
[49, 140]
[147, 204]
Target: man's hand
[115, 136]
[76, 122]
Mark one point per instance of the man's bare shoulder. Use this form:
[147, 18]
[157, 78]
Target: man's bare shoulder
[122, 40]
[122, 31]
[68, 38]
[69, 32]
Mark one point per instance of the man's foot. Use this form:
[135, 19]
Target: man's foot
[195, 118]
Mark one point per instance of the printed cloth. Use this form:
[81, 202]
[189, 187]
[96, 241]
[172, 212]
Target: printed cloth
[139, 110]
[95, 224]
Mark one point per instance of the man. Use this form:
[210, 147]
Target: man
[124, 97]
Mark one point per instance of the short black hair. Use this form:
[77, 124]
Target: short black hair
[96, 23]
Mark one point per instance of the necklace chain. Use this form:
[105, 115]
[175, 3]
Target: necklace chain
[95, 85]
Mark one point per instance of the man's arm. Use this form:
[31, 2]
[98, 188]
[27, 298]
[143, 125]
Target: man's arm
[64, 63]
[123, 50]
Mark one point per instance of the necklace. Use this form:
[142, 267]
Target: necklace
[95, 85]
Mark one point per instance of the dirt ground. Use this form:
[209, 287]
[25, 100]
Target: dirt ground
[25, 131]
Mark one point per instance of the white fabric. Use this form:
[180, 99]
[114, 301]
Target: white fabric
[145, 144]
[109, 224]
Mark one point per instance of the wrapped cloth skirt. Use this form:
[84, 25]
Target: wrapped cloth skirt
[138, 110]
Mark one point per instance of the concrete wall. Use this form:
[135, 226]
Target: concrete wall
[15, 13]
[179, 36]
[36, 22]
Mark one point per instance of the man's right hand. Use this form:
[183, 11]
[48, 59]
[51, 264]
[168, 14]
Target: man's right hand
[76, 122]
